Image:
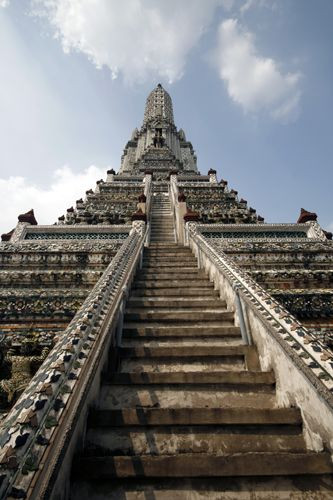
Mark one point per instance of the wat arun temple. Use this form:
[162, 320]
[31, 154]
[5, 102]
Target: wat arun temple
[160, 341]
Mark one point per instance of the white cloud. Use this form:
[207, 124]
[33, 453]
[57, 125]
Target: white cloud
[139, 39]
[251, 4]
[18, 195]
[253, 81]
[4, 3]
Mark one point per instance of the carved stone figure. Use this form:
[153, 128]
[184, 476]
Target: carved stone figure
[23, 363]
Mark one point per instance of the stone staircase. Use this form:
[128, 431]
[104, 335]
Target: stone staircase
[187, 413]
[162, 228]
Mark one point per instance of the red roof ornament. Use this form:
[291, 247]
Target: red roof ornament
[306, 216]
[7, 236]
[142, 198]
[191, 216]
[28, 217]
[139, 215]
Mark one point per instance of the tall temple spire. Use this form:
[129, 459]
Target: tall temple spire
[158, 145]
[158, 106]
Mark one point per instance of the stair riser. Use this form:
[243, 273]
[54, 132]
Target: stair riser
[201, 488]
[188, 342]
[278, 417]
[161, 223]
[250, 379]
[173, 284]
[183, 352]
[192, 316]
[181, 330]
[175, 303]
[166, 365]
[171, 441]
[167, 262]
[174, 292]
[177, 397]
[198, 465]
[160, 256]
[172, 271]
[144, 275]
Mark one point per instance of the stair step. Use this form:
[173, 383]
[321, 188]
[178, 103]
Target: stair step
[202, 283]
[176, 256]
[242, 377]
[204, 329]
[159, 275]
[175, 249]
[195, 416]
[181, 341]
[161, 222]
[185, 358]
[175, 302]
[165, 245]
[174, 292]
[214, 440]
[298, 487]
[186, 364]
[117, 396]
[178, 315]
[165, 264]
[184, 352]
[198, 465]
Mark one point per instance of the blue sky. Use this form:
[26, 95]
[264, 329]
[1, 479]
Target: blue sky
[251, 83]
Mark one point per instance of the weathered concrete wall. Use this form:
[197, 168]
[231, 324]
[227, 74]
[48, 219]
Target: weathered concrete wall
[293, 387]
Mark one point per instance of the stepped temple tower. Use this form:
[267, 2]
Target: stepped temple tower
[161, 341]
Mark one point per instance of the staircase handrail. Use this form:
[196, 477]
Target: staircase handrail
[173, 190]
[148, 194]
[313, 358]
[52, 403]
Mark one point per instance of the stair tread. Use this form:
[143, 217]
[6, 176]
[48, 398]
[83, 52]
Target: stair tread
[194, 465]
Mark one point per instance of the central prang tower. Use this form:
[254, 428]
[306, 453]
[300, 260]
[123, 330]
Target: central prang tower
[158, 145]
